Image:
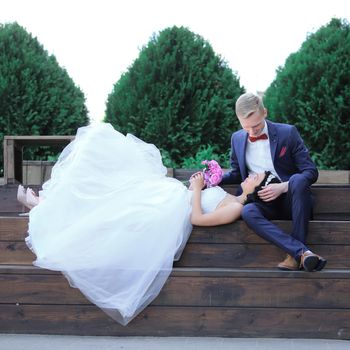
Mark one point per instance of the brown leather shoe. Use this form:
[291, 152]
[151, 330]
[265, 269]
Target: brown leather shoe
[312, 262]
[288, 264]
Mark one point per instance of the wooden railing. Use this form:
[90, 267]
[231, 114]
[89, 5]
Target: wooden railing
[13, 152]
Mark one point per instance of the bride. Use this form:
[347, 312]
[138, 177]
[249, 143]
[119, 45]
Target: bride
[112, 222]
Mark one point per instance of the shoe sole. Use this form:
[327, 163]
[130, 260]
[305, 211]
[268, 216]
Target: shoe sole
[321, 264]
[285, 268]
[310, 263]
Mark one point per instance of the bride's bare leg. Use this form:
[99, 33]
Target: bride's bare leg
[32, 198]
[22, 197]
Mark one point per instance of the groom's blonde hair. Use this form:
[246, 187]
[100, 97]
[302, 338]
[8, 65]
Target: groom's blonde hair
[247, 104]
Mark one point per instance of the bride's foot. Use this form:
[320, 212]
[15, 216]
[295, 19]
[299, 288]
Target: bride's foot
[22, 197]
[31, 198]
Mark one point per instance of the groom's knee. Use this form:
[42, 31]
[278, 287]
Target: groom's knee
[298, 181]
[298, 184]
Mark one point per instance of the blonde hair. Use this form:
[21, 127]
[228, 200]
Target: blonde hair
[247, 104]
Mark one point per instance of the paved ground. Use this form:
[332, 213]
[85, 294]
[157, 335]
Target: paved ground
[43, 342]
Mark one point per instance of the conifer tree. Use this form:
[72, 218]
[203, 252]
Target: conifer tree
[37, 97]
[312, 91]
[178, 94]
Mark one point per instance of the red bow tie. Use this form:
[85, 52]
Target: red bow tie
[260, 137]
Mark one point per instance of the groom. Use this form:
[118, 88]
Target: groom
[260, 146]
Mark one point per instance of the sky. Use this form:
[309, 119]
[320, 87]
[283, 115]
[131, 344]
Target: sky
[97, 40]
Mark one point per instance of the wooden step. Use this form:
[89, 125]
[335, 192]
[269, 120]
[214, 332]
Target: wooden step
[14, 228]
[194, 302]
[178, 321]
[210, 255]
[331, 201]
[202, 287]
[231, 246]
[334, 177]
[236, 246]
[225, 284]
[8, 199]
[254, 256]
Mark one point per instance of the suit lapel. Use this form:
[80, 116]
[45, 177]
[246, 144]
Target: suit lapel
[273, 138]
[241, 146]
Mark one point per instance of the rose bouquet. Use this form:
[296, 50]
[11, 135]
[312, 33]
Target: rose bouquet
[212, 173]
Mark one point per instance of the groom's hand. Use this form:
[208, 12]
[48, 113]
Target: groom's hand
[272, 191]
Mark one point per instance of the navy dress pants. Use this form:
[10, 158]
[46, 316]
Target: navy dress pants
[295, 205]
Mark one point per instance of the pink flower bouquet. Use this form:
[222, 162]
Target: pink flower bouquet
[212, 173]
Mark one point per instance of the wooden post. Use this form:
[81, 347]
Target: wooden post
[13, 152]
[9, 160]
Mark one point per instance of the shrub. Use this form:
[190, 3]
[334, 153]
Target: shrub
[206, 152]
[312, 91]
[37, 97]
[178, 94]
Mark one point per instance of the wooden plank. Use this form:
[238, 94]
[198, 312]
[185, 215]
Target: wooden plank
[334, 177]
[254, 255]
[320, 232]
[199, 291]
[9, 160]
[178, 321]
[340, 177]
[13, 152]
[184, 174]
[327, 199]
[8, 200]
[13, 228]
[210, 255]
[170, 172]
[255, 292]
[39, 140]
[36, 172]
[15, 253]
[25, 269]
[38, 289]
[331, 202]
[202, 272]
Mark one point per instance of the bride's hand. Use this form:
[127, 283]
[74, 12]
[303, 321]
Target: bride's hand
[197, 181]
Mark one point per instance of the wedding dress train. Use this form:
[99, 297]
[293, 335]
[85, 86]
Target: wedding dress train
[110, 220]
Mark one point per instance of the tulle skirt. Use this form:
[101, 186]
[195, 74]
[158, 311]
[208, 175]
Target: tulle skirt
[110, 220]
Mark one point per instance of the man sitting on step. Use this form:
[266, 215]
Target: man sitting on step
[262, 145]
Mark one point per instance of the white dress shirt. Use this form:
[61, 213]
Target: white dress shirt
[258, 155]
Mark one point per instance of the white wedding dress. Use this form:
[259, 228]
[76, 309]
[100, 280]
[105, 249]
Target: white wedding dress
[111, 221]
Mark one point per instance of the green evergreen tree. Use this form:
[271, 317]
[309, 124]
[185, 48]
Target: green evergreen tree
[37, 97]
[178, 94]
[312, 91]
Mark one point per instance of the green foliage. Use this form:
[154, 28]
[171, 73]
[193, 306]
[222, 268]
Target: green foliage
[206, 152]
[37, 97]
[166, 159]
[312, 91]
[178, 94]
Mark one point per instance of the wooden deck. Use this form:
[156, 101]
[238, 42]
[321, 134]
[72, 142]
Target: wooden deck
[225, 284]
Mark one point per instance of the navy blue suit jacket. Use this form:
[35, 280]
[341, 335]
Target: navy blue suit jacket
[288, 152]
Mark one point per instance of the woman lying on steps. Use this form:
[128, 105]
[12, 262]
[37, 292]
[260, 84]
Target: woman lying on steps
[112, 222]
